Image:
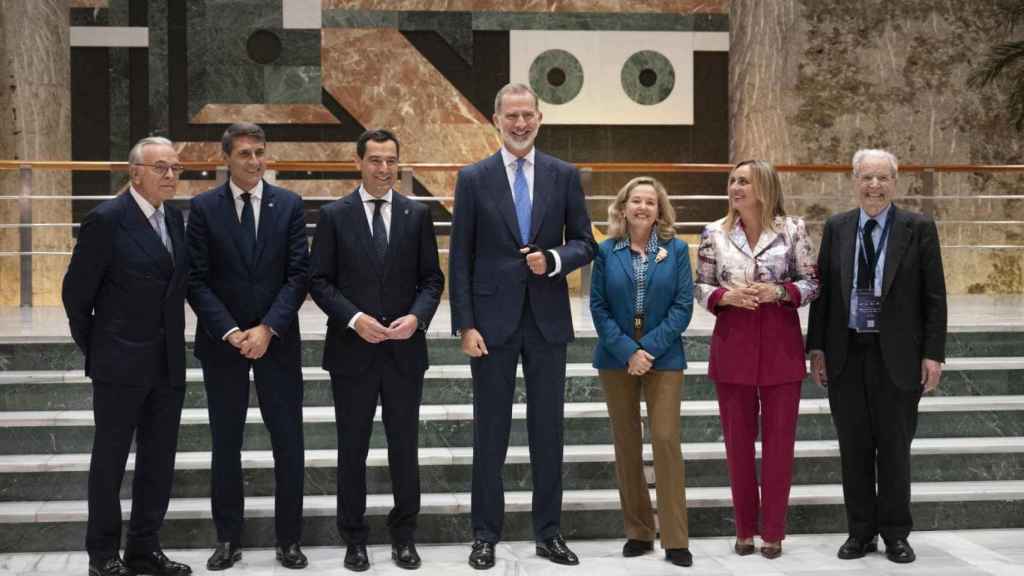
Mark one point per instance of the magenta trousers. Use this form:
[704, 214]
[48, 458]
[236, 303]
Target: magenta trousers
[759, 509]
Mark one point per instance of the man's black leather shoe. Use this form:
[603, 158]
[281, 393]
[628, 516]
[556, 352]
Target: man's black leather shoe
[291, 556]
[636, 548]
[554, 549]
[112, 566]
[679, 556]
[854, 548]
[224, 556]
[482, 556]
[405, 556]
[156, 564]
[356, 558]
[899, 551]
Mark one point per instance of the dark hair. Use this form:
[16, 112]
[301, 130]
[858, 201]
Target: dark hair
[378, 135]
[238, 130]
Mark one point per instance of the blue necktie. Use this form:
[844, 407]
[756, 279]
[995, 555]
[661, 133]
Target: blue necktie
[160, 226]
[523, 205]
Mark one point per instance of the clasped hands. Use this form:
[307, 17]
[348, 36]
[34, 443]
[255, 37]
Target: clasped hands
[251, 343]
[374, 332]
[750, 296]
[640, 363]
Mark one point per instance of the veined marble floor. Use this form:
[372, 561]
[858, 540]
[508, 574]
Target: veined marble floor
[966, 313]
[958, 553]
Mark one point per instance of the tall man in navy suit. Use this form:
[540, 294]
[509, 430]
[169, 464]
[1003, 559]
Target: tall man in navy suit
[247, 240]
[877, 336]
[375, 273]
[520, 226]
[124, 293]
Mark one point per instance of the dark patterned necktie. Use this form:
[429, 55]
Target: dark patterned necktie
[248, 225]
[380, 233]
[866, 274]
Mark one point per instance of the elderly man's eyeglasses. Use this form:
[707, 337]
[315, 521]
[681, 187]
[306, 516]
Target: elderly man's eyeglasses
[161, 168]
[879, 178]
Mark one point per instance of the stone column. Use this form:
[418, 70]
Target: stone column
[35, 124]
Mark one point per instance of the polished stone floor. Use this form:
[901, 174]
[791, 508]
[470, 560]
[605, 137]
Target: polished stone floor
[959, 553]
[974, 313]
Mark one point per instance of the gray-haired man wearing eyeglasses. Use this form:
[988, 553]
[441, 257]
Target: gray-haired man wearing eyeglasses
[124, 293]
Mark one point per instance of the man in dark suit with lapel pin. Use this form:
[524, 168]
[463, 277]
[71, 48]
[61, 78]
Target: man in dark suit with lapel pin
[375, 274]
[876, 337]
[124, 294]
[520, 227]
[247, 240]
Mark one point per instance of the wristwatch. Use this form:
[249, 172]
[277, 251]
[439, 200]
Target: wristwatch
[780, 292]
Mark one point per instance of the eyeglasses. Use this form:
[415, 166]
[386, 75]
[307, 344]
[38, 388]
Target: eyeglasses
[161, 168]
[880, 178]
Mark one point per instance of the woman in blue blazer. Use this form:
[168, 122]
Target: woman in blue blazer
[641, 299]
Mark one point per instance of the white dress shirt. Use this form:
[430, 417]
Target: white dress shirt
[510, 159]
[144, 204]
[256, 196]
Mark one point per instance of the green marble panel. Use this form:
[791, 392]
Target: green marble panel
[157, 56]
[568, 69]
[291, 84]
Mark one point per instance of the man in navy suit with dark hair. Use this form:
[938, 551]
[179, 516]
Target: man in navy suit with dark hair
[247, 240]
[520, 226]
[124, 293]
[375, 273]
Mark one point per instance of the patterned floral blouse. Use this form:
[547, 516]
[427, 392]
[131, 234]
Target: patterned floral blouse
[640, 264]
[782, 256]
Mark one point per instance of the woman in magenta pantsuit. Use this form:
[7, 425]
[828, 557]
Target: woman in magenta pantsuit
[755, 267]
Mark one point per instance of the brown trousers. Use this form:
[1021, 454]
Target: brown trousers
[662, 391]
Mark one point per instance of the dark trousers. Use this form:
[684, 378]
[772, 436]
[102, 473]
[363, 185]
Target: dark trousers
[494, 383]
[355, 402]
[151, 414]
[279, 389]
[875, 421]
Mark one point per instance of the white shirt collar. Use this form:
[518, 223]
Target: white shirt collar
[256, 192]
[365, 196]
[509, 159]
[147, 208]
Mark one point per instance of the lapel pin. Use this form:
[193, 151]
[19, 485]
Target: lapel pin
[406, 211]
[270, 205]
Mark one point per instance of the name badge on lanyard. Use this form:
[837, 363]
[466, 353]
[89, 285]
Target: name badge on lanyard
[869, 304]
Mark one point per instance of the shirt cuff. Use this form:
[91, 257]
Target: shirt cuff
[352, 322]
[558, 264]
[228, 333]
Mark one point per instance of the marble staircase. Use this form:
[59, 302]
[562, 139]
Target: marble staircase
[968, 468]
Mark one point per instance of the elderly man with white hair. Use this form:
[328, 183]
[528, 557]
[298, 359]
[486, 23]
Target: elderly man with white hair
[877, 337]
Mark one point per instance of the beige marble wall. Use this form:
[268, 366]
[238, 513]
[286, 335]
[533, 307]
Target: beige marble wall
[35, 103]
[811, 82]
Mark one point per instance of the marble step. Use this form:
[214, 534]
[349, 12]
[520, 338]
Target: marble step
[61, 354]
[64, 476]
[451, 384]
[69, 431]
[49, 526]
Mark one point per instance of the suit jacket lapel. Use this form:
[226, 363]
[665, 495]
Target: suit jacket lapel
[847, 245]
[229, 219]
[357, 219]
[143, 234]
[399, 219]
[896, 245]
[625, 260]
[176, 229]
[767, 237]
[268, 220]
[499, 185]
[543, 180]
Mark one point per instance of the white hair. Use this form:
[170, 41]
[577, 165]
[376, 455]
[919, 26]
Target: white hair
[865, 153]
[135, 155]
